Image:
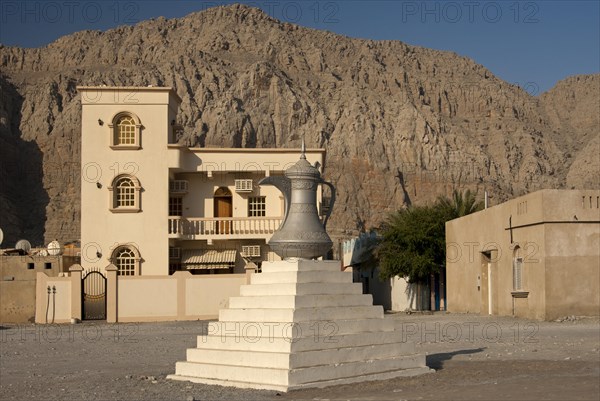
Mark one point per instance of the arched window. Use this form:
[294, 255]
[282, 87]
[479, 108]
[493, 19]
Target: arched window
[517, 269]
[126, 129]
[222, 192]
[125, 194]
[127, 260]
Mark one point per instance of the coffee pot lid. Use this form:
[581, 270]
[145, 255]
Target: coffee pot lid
[302, 168]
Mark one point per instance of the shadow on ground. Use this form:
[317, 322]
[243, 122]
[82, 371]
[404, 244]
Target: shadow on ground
[436, 361]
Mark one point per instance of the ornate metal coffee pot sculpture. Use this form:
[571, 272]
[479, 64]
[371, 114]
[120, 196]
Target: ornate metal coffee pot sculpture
[301, 234]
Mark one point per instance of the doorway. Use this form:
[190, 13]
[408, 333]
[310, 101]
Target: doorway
[223, 210]
[93, 296]
[487, 284]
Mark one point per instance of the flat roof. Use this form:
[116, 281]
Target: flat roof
[249, 150]
[131, 88]
[256, 150]
[259, 150]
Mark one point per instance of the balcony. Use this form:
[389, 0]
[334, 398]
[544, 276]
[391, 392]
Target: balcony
[223, 227]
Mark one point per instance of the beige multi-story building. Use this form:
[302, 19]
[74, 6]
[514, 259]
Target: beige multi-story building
[536, 256]
[151, 206]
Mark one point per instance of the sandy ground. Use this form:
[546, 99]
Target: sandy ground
[476, 358]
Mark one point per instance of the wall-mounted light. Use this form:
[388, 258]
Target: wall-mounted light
[100, 122]
[98, 185]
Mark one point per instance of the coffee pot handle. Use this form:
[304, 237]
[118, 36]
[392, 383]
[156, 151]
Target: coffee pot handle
[332, 202]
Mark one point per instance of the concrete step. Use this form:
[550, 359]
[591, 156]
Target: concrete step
[301, 265]
[330, 340]
[300, 289]
[281, 360]
[295, 377]
[230, 383]
[290, 315]
[355, 369]
[350, 354]
[302, 277]
[262, 359]
[300, 329]
[248, 374]
[318, 384]
[299, 301]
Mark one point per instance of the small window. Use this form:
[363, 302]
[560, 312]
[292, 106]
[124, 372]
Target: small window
[30, 266]
[48, 265]
[517, 270]
[175, 206]
[257, 206]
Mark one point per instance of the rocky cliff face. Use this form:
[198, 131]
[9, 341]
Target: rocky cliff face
[572, 108]
[401, 124]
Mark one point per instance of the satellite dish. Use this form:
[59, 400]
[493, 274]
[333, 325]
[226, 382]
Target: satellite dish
[1, 236]
[43, 252]
[54, 248]
[23, 245]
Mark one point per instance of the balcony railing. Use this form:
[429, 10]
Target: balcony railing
[223, 227]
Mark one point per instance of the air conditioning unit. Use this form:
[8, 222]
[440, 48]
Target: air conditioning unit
[243, 185]
[174, 253]
[178, 186]
[250, 251]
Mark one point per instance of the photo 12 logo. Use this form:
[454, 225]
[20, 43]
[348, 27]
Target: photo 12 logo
[453, 12]
[69, 12]
[325, 12]
[452, 332]
[54, 333]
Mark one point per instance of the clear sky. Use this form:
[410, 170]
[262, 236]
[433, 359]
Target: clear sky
[530, 43]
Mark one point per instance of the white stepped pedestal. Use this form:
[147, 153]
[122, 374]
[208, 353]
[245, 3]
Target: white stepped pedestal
[300, 324]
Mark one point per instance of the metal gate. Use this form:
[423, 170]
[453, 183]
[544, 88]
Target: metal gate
[93, 296]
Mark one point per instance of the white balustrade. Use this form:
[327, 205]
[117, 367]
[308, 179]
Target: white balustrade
[222, 226]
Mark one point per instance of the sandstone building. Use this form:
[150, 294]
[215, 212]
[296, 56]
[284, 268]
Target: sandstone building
[536, 256]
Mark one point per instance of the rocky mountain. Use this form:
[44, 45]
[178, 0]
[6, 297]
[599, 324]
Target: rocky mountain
[572, 107]
[401, 124]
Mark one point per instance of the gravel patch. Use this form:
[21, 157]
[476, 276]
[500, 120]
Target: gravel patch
[475, 357]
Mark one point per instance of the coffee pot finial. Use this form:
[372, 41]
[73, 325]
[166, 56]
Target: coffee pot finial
[303, 149]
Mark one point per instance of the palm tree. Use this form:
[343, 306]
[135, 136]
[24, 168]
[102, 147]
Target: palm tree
[461, 204]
